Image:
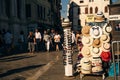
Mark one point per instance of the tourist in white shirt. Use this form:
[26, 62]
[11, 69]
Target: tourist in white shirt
[38, 38]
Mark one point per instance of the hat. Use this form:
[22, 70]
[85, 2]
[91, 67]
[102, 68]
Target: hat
[85, 51]
[85, 65]
[94, 50]
[85, 30]
[99, 17]
[96, 60]
[105, 47]
[97, 69]
[105, 56]
[95, 31]
[107, 29]
[104, 38]
[87, 41]
[96, 43]
[66, 23]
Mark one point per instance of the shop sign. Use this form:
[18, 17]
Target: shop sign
[114, 17]
[90, 18]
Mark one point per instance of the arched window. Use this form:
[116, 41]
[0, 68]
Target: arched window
[78, 10]
[91, 10]
[96, 9]
[86, 10]
[106, 9]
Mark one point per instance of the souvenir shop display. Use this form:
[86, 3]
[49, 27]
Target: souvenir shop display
[96, 47]
[67, 52]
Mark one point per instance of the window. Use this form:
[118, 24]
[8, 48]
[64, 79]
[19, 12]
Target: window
[91, 10]
[28, 10]
[41, 9]
[81, 1]
[78, 10]
[91, 0]
[78, 21]
[86, 10]
[44, 12]
[117, 27]
[96, 9]
[106, 9]
[38, 11]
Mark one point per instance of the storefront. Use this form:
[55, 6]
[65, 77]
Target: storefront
[114, 19]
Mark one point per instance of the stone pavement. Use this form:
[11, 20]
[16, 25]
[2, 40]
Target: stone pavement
[40, 66]
[23, 66]
[56, 72]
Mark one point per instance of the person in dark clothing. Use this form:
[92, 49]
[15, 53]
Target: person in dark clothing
[31, 42]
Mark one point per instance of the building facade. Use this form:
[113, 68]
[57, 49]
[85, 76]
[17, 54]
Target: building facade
[26, 15]
[80, 9]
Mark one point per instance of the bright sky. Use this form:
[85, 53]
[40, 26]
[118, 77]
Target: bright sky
[64, 8]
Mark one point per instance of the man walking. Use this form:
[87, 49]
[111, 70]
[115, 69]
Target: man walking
[38, 38]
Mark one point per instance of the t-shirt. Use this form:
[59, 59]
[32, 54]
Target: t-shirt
[57, 38]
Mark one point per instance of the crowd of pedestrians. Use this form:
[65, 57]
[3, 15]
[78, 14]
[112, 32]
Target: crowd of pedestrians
[37, 41]
[49, 41]
[52, 41]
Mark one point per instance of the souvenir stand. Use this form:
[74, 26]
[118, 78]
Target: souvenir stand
[96, 47]
[67, 52]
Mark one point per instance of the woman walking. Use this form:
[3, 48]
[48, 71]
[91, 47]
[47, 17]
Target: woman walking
[57, 38]
[31, 42]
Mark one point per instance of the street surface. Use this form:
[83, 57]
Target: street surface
[39, 66]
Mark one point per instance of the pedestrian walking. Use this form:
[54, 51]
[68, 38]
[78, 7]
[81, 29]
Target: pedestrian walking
[52, 34]
[38, 38]
[31, 42]
[73, 40]
[79, 40]
[46, 39]
[57, 38]
[8, 37]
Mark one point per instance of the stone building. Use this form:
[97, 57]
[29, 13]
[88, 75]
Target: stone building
[26, 15]
[79, 9]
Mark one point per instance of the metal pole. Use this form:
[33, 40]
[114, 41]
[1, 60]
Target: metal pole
[114, 59]
[118, 47]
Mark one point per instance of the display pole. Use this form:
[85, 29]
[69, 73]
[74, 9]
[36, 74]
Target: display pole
[67, 55]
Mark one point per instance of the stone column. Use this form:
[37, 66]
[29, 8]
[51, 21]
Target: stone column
[3, 16]
[13, 12]
[22, 9]
[2, 9]
[14, 25]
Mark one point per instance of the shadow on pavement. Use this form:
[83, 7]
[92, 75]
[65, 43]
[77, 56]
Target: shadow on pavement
[13, 58]
[10, 72]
